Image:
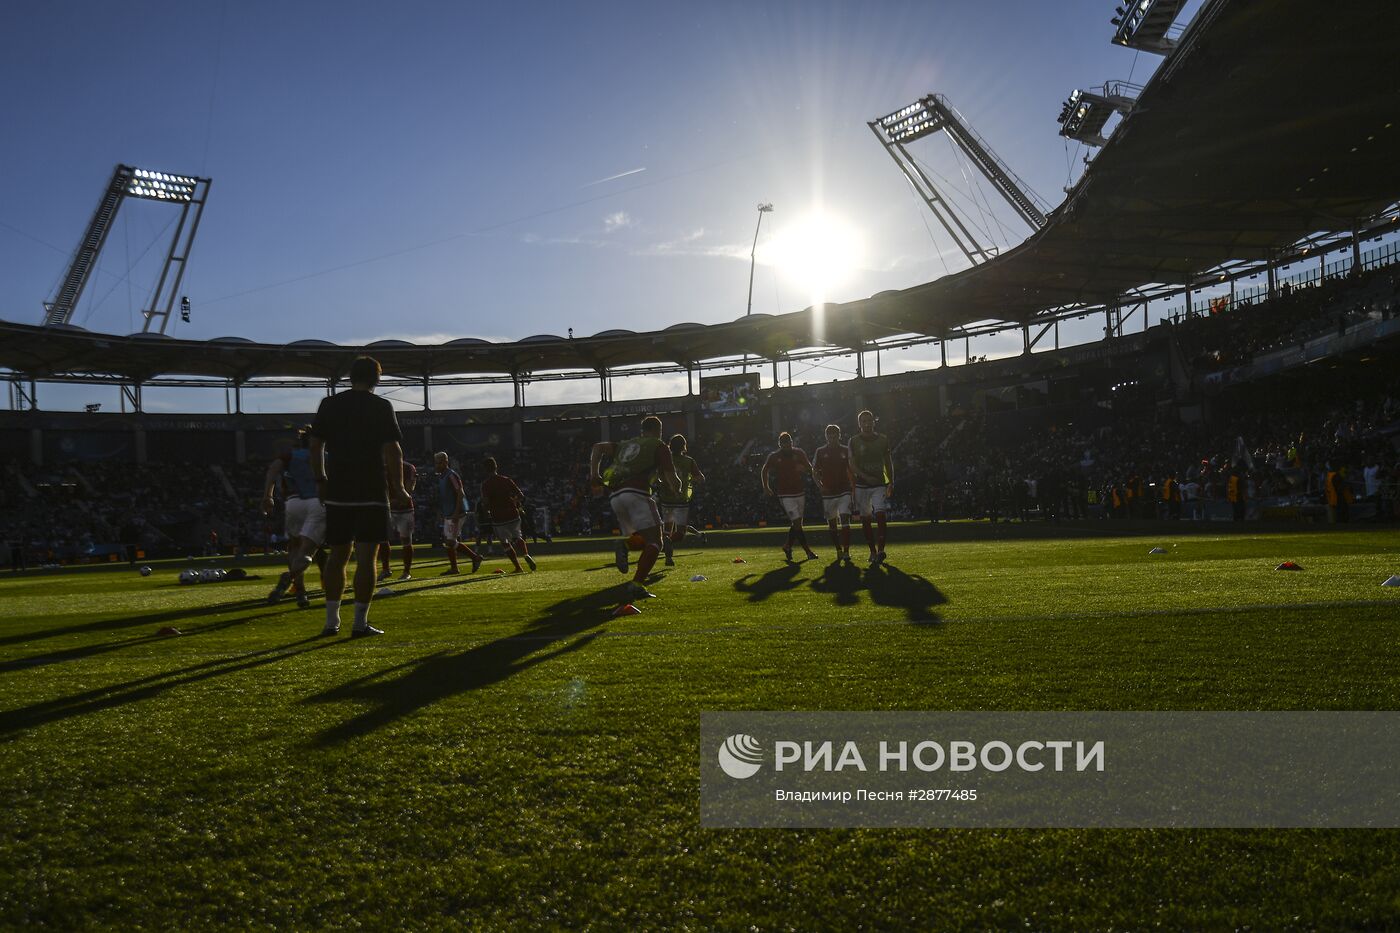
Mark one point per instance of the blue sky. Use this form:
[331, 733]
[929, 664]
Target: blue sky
[446, 160]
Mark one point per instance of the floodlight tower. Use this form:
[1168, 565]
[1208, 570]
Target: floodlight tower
[185, 191]
[1083, 116]
[933, 114]
[1144, 24]
[753, 254]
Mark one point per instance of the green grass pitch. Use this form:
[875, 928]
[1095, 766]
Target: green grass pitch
[510, 756]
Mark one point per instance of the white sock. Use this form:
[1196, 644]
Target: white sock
[332, 613]
[361, 615]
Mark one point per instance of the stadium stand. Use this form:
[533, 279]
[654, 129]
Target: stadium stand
[1238, 333]
[1190, 184]
[1035, 458]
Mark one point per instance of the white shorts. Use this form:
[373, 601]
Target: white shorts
[306, 518]
[870, 500]
[451, 528]
[676, 515]
[403, 524]
[834, 507]
[793, 506]
[635, 510]
[507, 531]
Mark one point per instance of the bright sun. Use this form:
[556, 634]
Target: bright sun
[817, 253]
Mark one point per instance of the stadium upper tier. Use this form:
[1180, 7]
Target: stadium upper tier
[1269, 122]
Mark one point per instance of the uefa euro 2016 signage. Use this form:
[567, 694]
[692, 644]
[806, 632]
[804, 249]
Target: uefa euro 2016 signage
[1083, 769]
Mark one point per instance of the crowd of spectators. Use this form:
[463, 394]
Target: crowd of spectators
[1280, 440]
[1120, 469]
[1231, 334]
[946, 468]
[95, 509]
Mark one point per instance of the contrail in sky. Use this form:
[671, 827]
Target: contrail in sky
[614, 177]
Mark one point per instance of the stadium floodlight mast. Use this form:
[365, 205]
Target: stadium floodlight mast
[1144, 24]
[932, 114]
[753, 253]
[763, 208]
[1083, 115]
[188, 192]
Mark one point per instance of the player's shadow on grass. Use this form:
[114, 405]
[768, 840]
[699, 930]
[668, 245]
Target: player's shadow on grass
[761, 586]
[841, 581]
[177, 616]
[612, 565]
[403, 689]
[167, 617]
[80, 652]
[414, 586]
[153, 685]
[890, 586]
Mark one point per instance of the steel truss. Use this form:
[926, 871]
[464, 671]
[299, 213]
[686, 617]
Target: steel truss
[933, 114]
[187, 192]
[23, 391]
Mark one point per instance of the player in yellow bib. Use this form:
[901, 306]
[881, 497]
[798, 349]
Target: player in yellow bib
[874, 474]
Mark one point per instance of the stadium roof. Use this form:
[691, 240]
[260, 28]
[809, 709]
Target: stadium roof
[1270, 122]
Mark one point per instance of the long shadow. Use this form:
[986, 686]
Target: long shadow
[841, 581]
[153, 685]
[778, 580]
[86, 651]
[680, 555]
[182, 615]
[398, 691]
[408, 589]
[890, 586]
[177, 585]
[126, 622]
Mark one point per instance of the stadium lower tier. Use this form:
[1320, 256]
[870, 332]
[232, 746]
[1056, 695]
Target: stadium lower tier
[1320, 446]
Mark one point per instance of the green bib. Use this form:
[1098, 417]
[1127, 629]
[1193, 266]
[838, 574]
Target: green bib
[868, 458]
[634, 463]
[685, 468]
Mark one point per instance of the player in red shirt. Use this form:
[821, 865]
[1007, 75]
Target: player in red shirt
[832, 467]
[784, 475]
[503, 498]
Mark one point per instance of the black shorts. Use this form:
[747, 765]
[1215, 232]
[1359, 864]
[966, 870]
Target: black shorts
[367, 524]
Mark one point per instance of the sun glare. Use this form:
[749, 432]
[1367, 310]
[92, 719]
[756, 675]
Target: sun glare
[817, 253]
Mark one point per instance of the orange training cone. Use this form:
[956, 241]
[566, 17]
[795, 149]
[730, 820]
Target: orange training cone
[1288, 565]
[626, 609]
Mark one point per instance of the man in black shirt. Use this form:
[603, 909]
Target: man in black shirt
[358, 465]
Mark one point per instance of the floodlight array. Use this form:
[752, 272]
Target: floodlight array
[1083, 117]
[1128, 18]
[892, 119]
[161, 186]
[1144, 24]
[909, 123]
[1073, 112]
